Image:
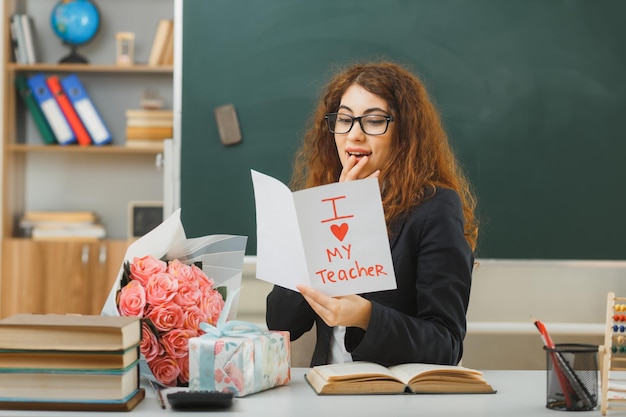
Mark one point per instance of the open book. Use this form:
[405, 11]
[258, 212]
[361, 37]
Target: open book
[371, 378]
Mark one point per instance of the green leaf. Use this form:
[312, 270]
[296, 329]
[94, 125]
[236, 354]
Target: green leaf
[125, 275]
[151, 326]
[222, 291]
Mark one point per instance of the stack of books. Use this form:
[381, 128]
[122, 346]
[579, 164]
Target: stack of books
[66, 225]
[69, 362]
[62, 110]
[148, 127]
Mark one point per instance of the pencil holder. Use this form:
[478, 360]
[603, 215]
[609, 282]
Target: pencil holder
[572, 377]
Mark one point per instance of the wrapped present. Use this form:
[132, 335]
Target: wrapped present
[239, 357]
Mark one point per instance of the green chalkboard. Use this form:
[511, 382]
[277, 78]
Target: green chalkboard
[532, 93]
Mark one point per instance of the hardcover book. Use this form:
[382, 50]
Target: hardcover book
[29, 45]
[35, 111]
[418, 378]
[60, 216]
[17, 37]
[159, 43]
[125, 404]
[67, 359]
[69, 385]
[82, 136]
[84, 106]
[73, 232]
[51, 109]
[69, 332]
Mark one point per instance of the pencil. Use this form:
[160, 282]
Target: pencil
[567, 376]
[157, 391]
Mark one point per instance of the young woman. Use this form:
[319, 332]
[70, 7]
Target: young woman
[377, 120]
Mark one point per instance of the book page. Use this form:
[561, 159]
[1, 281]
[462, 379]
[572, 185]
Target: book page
[411, 372]
[354, 370]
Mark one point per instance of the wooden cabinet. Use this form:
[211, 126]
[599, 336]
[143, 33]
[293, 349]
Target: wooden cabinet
[58, 277]
[73, 276]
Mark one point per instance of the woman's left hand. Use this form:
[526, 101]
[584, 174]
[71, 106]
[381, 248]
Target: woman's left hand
[347, 310]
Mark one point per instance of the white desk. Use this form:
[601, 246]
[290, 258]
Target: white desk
[520, 393]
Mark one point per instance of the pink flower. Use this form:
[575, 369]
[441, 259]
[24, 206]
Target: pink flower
[212, 303]
[183, 365]
[166, 317]
[201, 278]
[188, 293]
[176, 342]
[132, 299]
[165, 370]
[160, 288]
[150, 346]
[143, 268]
[180, 271]
[192, 319]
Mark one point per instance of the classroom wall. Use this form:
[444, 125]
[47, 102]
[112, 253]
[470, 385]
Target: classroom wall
[570, 297]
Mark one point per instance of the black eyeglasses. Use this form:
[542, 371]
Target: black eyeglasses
[371, 124]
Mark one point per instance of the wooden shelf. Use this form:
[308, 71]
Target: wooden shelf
[62, 68]
[102, 150]
[103, 179]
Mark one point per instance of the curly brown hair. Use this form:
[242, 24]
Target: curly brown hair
[423, 159]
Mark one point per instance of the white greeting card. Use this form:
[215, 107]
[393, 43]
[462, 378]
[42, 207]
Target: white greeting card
[332, 237]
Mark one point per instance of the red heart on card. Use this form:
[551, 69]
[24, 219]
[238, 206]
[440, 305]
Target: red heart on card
[339, 231]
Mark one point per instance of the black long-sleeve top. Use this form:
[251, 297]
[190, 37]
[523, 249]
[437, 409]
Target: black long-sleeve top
[423, 320]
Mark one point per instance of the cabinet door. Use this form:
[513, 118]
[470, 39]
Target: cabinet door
[66, 265]
[23, 273]
[80, 274]
[58, 277]
[105, 263]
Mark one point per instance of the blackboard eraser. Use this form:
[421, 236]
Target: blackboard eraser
[228, 124]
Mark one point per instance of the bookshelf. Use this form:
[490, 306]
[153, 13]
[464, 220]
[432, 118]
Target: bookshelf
[103, 179]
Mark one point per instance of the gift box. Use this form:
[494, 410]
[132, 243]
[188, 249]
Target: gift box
[240, 361]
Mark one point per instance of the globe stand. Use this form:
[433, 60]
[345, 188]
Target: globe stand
[73, 57]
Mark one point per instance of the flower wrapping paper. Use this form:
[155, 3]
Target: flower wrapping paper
[241, 365]
[221, 258]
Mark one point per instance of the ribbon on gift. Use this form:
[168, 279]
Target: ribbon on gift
[223, 328]
[232, 328]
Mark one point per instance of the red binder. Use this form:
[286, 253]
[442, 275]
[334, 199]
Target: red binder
[82, 136]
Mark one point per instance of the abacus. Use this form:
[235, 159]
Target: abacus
[614, 357]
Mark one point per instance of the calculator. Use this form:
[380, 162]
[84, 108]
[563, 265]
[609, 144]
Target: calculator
[200, 400]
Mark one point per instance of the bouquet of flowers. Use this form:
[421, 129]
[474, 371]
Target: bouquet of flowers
[172, 299]
[164, 279]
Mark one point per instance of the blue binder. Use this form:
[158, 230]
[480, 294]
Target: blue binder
[50, 108]
[75, 91]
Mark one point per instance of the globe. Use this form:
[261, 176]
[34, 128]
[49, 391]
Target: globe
[76, 23]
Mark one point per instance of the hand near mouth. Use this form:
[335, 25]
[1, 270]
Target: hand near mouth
[353, 170]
